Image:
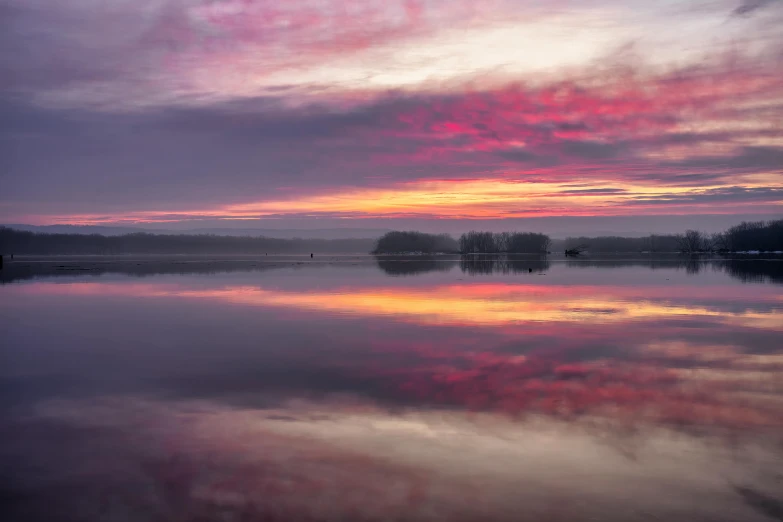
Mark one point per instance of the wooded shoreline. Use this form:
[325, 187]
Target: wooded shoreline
[746, 237]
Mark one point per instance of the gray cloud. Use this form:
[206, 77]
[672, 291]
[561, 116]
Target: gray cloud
[746, 158]
[607, 190]
[54, 45]
[721, 195]
[749, 6]
[520, 155]
[592, 149]
[181, 158]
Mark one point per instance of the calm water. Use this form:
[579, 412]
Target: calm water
[361, 389]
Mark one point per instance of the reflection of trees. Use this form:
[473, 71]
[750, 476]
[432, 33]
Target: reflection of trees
[397, 242]
[402, 265]
[693, 265]
[692, 241]
[139, 268]
[754, 270]
[614, 244]
[143, 266]
[654, 263]
[480, 265]
[747, 270]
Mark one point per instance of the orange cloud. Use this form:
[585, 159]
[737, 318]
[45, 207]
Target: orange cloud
[474, 199]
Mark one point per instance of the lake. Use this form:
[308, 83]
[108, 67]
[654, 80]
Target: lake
[354, 388]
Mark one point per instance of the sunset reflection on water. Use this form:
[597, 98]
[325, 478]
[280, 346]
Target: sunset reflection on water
[418, 391]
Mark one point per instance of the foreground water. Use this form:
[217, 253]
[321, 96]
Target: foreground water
[392, 389]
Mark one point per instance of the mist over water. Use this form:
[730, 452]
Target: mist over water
[391, 388]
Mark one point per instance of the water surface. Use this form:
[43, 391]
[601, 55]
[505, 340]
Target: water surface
[354, 388]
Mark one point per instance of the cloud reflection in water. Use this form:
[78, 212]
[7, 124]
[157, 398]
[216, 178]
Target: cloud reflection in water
[422, 398]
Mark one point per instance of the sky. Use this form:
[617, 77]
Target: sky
[441, 115]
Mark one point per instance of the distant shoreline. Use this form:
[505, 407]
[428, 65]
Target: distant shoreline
[757, 238]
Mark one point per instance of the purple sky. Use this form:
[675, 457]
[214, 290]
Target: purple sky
[560, 116]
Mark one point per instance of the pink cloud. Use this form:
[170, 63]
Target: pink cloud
[702, 137]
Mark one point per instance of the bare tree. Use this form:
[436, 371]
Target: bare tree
[505, 242]
[719, 241]
[478, 242]
[758, 235]
[692, 241]
[528, 243]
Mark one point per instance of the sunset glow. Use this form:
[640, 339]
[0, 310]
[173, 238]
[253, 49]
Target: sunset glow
[341, 111]
[471, 199]
[421, 388]
[375, 260]
[695, 376]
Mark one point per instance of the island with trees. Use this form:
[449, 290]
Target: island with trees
[469, 243]
[410, 242]
[747, 237]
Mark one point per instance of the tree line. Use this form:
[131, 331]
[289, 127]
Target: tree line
[764, 236]
[469, 243]
[747, 236]
[504, 243]
[33, 243]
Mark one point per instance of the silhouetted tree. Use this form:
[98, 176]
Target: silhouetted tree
[478, 243]
[719, 241]
[692, 241]
[528, 243]
[756, 235]
[504, 242]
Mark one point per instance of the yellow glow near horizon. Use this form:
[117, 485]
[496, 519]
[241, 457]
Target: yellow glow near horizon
[478, 199]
